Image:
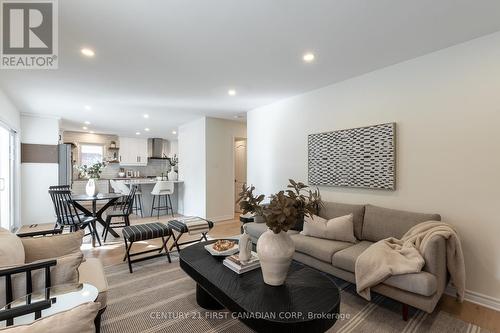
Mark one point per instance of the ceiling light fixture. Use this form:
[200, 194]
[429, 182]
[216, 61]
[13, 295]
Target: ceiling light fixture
[87, 122]
[137, 133]
[87, 52]
[146, 129]
[231, 92]
[308, 57]
[88, 107]
[85, 128]
[91, 132]
[174, 132]
[146, 116]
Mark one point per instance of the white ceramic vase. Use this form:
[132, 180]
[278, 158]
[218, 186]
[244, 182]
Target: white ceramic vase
[91, 188]
[275, 255]
[172, 175]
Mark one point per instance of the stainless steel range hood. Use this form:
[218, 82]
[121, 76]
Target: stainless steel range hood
[158, 148]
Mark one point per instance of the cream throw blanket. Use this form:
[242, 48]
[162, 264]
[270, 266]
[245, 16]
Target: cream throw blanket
[394, 256]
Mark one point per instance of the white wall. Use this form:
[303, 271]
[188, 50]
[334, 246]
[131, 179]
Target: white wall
[192, 168]
[36, 206]
[9, 114]
[447, 108]
[220, 135]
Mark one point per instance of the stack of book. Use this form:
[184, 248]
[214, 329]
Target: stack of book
[233, 262]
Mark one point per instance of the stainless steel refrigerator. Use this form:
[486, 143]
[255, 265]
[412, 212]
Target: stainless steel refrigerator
[65, 164]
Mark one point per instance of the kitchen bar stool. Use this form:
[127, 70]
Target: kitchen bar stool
[124, 189]
[163, 189]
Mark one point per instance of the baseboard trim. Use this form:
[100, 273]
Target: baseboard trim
[477, 298]
[221, 218]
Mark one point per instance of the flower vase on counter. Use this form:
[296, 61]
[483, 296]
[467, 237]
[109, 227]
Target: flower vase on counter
[172, 175]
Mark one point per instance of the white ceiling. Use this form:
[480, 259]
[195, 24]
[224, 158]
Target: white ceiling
[176, 59]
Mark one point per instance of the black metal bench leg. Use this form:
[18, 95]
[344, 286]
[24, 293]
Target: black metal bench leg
[176, 242]
[204, 236]
[164, 247]
[126, 247]
[128, 257]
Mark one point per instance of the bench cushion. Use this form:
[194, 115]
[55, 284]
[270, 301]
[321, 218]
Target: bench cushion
[181, 227]
[146, 231]
[381, 223]
[322, 249]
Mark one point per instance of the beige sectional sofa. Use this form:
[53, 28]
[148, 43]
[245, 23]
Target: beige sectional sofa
[371, 223]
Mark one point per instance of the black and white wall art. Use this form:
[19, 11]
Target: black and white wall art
[363, 157]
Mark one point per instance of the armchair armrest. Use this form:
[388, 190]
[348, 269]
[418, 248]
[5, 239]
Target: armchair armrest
[10, 314]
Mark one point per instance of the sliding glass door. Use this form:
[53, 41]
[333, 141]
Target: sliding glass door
[7, 174]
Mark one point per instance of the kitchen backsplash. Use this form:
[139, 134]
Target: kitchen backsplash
[154, 168]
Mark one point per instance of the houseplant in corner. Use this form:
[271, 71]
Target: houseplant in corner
[275, 247]
[92, 173]
[251, 204]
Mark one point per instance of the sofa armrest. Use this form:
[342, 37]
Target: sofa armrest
[41, 248]
[435, 261]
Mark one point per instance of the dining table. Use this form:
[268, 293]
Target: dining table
[108, 198]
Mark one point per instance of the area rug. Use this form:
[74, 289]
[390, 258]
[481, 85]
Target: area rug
[160, 297]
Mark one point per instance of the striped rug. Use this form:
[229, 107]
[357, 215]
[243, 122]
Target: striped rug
[160, 297]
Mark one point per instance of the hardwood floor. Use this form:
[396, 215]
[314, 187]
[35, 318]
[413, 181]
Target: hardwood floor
[112, 252]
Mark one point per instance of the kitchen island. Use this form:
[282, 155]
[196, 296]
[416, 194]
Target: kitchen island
[145, 186]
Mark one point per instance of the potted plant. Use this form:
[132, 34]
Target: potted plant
[92, 173]
[275, 247]
[251, 204]
[172, 175]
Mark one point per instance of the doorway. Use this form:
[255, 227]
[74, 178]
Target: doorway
[7, 158]
[240, 168]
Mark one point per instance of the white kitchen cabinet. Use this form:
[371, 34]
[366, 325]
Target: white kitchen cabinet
[133, 152]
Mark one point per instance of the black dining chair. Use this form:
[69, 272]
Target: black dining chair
[68, 215]
[124, 213]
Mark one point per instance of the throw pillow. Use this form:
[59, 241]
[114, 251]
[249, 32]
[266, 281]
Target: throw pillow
[339, 228]
[39, 248]
[79, 319]
[11, 249]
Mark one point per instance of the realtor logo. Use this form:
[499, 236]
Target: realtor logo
[29, 34]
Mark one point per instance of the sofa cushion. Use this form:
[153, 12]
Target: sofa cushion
[422, 283]
[338, 228]
[322, 249]
[92, 272]
[39, 248]
[78, 319]
[334, 209]
[255, 229]
[11, 249]
[381, 223]
[346, 259]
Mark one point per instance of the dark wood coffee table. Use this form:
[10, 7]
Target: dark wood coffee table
[308, 301]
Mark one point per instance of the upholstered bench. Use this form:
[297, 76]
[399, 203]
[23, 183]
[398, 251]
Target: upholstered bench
[192, 226]
[143, 232]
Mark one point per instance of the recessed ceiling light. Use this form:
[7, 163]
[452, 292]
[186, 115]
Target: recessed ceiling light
[146, 116]
[88, 107]
[174, 132]
[91, 132]
[137, 133]
[308, 57]
[87, 122]
[146, 129]
[87, 52]
[231, 92]
[85, 128]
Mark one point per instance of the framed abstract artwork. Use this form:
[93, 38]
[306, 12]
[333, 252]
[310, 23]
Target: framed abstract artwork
[363, 157]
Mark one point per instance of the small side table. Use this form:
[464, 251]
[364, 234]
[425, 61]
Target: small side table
[61, 298]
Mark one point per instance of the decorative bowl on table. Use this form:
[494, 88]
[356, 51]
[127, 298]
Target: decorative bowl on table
[222, 247]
